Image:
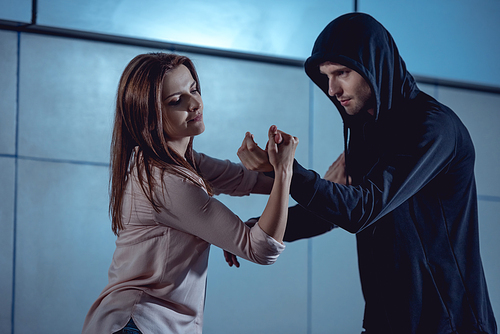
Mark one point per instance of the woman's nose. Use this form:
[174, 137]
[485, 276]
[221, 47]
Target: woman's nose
[194, 104]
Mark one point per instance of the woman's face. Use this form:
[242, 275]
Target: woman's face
[182, 108]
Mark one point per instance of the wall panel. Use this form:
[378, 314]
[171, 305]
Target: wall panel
[7, 224]
[64, 242]
[64, 245]
[18, 11]
[67, 93]
[480, 114]
[278, 28]
[337, 303]
[67, 97]
[453, 40]
[242, 96]
[8, 89]
[489, 230]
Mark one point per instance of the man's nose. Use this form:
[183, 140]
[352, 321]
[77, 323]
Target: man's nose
[334, 89]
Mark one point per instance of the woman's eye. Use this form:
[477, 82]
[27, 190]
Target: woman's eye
[174, 102]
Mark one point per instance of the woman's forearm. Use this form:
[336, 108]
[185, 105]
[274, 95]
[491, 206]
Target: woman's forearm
[274, 217]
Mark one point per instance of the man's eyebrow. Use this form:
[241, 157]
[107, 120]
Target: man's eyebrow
[343, 68]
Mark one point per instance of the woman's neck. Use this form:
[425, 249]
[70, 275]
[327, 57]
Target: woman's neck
[179, 146]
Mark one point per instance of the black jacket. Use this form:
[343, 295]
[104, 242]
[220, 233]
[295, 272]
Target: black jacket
[412, 203]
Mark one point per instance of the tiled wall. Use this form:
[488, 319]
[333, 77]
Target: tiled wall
[56, 241]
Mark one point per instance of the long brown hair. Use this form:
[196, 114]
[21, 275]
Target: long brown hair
[139, 123]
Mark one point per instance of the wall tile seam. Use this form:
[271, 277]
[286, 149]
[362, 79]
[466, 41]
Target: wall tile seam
[310, 241]
[293, 62]
[488, 198]
[57, 161]
[16, 172]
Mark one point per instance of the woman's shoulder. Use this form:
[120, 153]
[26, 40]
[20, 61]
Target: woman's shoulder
[178, 177]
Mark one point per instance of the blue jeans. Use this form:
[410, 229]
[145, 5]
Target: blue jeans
[129, 328]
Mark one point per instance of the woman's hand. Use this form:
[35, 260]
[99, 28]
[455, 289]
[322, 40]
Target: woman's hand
[281, 148]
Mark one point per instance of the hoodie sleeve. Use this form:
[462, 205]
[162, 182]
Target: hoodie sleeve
[303, 223]
[408, 165]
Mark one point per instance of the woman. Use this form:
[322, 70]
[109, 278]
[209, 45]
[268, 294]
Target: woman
[162, 208]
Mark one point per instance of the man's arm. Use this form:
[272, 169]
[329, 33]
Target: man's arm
[417, 155]
[302, 224]
[418, 152]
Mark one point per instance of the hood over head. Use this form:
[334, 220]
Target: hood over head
[360, 42]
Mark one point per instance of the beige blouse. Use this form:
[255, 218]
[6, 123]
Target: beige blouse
[158, 272]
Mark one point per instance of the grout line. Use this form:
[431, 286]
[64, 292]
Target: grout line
[309, 285]
[149, 43]
[16, 170]
[34, 11]
[488, 198]
[223, 53]
[65, 161]
[310, 155]
[52, 160]
[310, 241]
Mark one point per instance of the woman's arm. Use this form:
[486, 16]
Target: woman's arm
[281, 150]
[231, 178]
[187, 207]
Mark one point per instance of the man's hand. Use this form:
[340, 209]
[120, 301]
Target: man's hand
[336, 172]
[252, 156]
[231, 259]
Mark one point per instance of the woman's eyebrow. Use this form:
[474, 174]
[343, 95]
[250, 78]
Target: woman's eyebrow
[179, 93]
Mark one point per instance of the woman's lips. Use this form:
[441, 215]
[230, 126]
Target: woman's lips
[198, 118]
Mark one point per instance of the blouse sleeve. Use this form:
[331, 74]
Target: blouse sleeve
[225, 176]
[188, 208]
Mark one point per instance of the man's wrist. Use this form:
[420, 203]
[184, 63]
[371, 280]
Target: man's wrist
[269, 174]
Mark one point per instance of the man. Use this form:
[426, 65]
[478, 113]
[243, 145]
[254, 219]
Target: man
[406, 188]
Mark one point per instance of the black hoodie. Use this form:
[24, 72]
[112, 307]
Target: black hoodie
[412, 203]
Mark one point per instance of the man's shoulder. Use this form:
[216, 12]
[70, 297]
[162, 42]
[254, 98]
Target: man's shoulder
[424, 109]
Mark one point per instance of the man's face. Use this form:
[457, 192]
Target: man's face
[349, 87]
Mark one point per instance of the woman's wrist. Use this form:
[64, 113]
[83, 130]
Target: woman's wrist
[283, 173]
